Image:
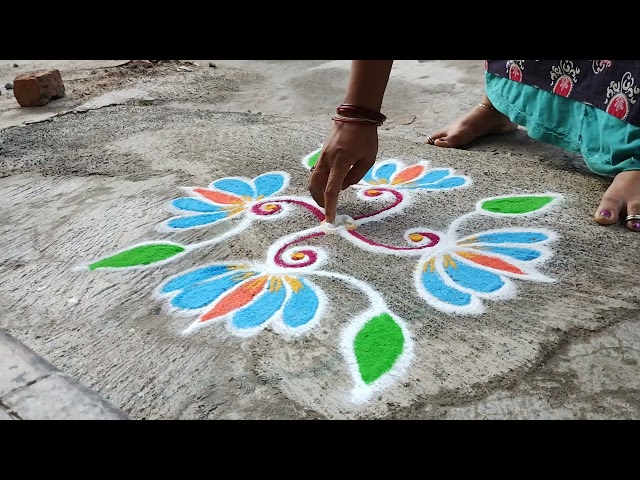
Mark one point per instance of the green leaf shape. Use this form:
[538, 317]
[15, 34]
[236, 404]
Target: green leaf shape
[516, 205]
[139, 255]
[313, 159]
[377, 347]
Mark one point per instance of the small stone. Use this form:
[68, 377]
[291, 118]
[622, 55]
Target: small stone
[15, 65]
[9, 86]
[212, 65]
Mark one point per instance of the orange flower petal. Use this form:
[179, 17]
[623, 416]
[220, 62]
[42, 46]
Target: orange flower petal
[237, 299]
[491, 262]
[408, 174]
[218, 197]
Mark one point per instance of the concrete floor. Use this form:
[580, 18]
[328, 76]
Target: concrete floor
[93, 174]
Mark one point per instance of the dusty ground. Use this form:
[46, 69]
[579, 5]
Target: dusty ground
[91, 174]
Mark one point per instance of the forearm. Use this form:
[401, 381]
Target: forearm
[367, 83]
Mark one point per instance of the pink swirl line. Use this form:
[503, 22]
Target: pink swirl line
[319, 215]
[395, 193]
[281, 262]
[435, 239]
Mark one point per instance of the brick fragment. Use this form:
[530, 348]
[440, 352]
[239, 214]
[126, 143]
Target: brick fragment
[38, 88]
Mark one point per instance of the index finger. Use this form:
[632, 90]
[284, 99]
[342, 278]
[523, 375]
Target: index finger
[332, 191]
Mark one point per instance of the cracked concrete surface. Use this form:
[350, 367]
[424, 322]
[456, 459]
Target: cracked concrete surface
[80, 186]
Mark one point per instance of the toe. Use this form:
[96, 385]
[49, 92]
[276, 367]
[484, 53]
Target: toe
[608, 211]
[633, 209]
[431, 139]
[450, 141]
[443, 142]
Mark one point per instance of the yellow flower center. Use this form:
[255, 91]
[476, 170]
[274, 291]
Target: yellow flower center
[416, 237]
[297, 256]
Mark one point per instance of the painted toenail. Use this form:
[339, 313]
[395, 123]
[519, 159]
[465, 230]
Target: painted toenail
[605, 213]
[636, 225]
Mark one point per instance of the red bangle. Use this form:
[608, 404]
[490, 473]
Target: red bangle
[361, 111]
[362, 121]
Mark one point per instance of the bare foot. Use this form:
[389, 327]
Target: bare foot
[476, 123]
[621, 199]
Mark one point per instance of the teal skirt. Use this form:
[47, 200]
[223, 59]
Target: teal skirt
[607, 144]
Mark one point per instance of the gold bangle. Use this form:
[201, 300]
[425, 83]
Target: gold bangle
[488, 107]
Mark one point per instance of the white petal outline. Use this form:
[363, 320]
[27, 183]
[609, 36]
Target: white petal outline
[306, 158]
[361, 392]
[179, 213]
[286, 178]
[245, 332]
[399, 164]
[475, 307]
[528, 266]
[166, 297]
[505, 292]
[281, 328]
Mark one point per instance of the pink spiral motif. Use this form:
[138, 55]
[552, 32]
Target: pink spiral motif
[376, 192]
[293, 258]
[269, 207]
[266, 208]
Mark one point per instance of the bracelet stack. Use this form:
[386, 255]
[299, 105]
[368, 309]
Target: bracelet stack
[362, 115]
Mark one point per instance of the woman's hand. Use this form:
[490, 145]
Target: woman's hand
[348, 153]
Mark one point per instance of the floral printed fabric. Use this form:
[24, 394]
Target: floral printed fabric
[610, 85]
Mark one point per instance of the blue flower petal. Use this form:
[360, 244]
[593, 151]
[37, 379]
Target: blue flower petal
[202, 294]
[434, 284]
[261, 309]
[301, 307]
[268, 184]
[523, 254]
[474, 278]
[384, 171]
[433, 176]
[235, 186]
[368, 177]
[191, 278]
[450, 182]
[512, 237]
[196, 220]
[194, 205]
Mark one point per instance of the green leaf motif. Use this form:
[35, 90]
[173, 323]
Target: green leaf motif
[140, 255]
[377, 347]
[516, 205]
[313, 158]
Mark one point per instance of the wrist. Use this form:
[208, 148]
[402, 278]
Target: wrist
[350, 111]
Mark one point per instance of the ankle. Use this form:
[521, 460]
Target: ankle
[487, 106]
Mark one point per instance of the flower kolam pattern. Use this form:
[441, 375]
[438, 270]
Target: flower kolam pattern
[453, 274]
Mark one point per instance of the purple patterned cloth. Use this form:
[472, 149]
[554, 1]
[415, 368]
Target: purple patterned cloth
[609, 85]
